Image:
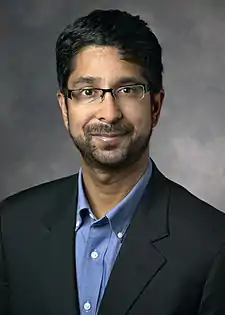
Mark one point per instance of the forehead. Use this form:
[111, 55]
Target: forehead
[104, 63]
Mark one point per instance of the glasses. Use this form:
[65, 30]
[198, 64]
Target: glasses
[124, 94]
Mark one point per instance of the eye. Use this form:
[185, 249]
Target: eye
[127, 89]
[88, 92]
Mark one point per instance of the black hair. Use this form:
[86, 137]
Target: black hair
[128, 33]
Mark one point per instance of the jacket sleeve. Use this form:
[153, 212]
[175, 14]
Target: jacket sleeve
[4, 285]
[213, 298]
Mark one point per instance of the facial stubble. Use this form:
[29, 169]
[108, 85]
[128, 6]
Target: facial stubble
[91, 153]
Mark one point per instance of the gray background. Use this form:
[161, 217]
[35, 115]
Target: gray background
[189, 143]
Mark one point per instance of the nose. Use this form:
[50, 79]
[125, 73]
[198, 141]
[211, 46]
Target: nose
[109, 110]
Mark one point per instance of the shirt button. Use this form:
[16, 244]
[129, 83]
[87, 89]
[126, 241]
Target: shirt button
[87, 306]
[120, 235]
[94, 255]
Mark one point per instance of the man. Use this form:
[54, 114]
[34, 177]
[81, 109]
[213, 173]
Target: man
[118, 238]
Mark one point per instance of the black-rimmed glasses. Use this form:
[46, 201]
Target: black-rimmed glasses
[123, 94]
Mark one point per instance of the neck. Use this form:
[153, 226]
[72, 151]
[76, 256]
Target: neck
[105, 189]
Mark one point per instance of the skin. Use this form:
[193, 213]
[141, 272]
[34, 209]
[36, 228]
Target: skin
[108, 163]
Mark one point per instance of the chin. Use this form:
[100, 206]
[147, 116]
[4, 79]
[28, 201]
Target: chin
[109, 159]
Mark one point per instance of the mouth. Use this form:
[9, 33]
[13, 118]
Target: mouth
[107, 135]
[111, 138]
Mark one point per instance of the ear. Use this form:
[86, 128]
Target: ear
[62, 104]
[156, 106]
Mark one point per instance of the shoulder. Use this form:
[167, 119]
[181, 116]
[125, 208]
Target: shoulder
[39, 195]
[182, 202]
[182, 196]
[194, 215]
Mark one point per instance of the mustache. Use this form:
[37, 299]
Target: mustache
[108, 129]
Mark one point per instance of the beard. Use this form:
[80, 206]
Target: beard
[111, 157]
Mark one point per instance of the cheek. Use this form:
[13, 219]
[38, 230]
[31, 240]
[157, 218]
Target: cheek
[140, 119]
[77, 121]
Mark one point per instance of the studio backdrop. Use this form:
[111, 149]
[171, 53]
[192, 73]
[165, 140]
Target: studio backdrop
[188, 145]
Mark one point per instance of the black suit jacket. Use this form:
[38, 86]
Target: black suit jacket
[172, 261]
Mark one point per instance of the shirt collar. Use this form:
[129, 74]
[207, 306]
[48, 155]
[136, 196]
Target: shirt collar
[120, 216]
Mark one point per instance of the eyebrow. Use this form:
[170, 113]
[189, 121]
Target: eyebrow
[120, 81]
[87, 79]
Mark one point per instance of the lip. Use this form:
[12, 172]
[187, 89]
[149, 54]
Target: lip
[109, 138]
[107, 134]
[102, 135]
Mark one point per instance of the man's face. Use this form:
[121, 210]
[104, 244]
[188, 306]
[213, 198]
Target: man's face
[108, 132]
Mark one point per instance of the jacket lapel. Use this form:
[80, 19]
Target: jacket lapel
[58, 249]
[139, 260]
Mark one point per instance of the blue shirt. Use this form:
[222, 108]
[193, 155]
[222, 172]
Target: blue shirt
[98, 242]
